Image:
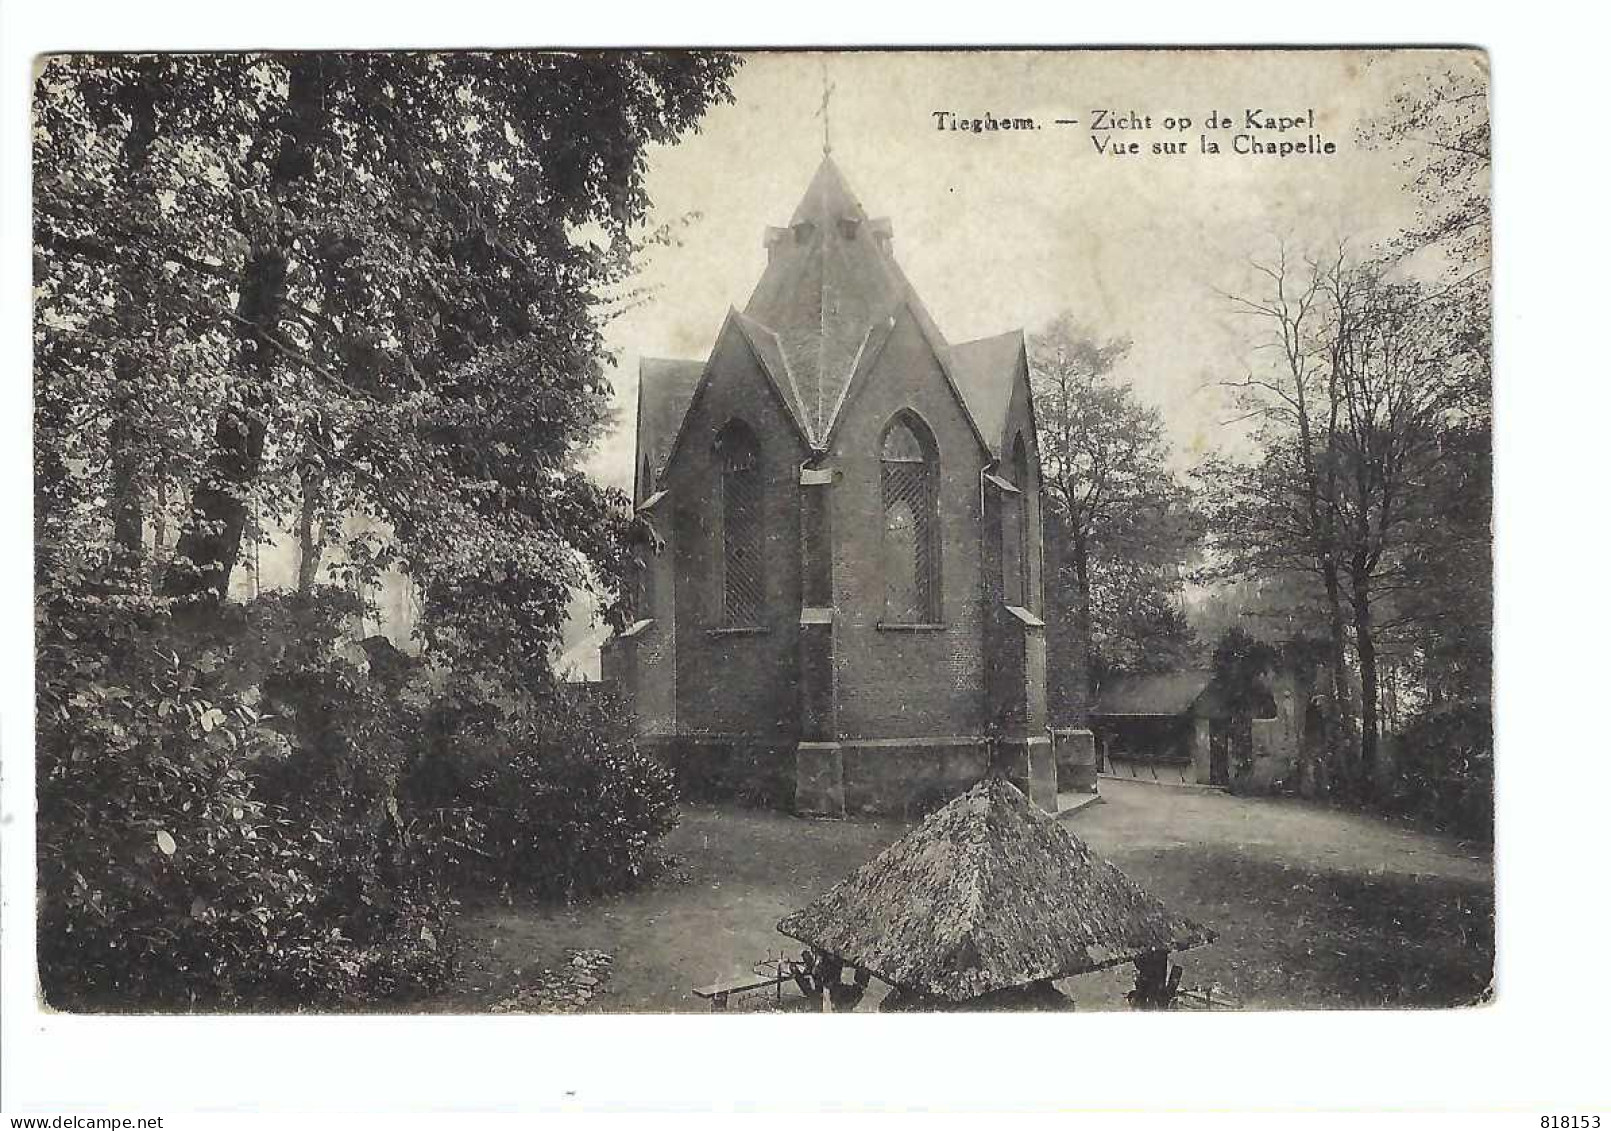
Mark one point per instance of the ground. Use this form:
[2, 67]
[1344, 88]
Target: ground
[1315, 908]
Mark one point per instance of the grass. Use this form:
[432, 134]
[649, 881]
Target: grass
[1315, 908]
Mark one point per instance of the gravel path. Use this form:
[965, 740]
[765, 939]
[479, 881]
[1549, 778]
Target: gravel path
[1316, 908]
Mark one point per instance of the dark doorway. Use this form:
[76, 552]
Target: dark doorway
[1314, 731]
[1219, 756]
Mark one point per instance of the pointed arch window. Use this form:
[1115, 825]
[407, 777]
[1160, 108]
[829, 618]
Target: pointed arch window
[738, 457]
[909, 473]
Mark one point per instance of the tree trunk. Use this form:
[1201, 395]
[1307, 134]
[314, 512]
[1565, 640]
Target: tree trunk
[1365, 646]
[1339, 751]
[209, 547]
[1080, 555]
[137, 98]
[309, 546]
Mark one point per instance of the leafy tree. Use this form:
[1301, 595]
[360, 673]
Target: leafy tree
[374, 283]
[1439, 131]
[1276, 515]
[319, 286]
[1352, 419]
[1120, 524]
[1374, 465]
[169, 877]
[1137, 622]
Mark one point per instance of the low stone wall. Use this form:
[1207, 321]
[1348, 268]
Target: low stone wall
[1074, 751]
[1274, 761]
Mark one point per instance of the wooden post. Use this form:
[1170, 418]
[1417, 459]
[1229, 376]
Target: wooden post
[1152, 981]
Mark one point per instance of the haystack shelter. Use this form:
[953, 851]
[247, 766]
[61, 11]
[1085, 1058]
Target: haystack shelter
[984, 904]
[839, 605]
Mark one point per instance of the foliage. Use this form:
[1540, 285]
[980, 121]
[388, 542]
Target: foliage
[1121, 522]
[1137, 623]
[1446, 605]
[244, 811]
[1446, 768]
[168, 875]
[350, 283]
[553, 798]
[1354, 416]
[286, 290]
[1439, 130]
[1241, 661]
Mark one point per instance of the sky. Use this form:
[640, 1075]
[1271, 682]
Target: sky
[1002, 230]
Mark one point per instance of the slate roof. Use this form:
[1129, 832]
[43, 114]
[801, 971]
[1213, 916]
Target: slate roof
[1174, 693]
[986, 894]
[827, 284]
[984, 370]
[665, 387]
[829, 295]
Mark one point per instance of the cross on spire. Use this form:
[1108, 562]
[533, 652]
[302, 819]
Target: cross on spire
[822, 111]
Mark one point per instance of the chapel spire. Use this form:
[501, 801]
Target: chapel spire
[830, 283]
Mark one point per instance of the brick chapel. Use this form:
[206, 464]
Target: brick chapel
[839, 601]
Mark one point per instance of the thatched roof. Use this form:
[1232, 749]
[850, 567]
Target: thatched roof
[1169, 693]
[987, 893]
[1172, 694]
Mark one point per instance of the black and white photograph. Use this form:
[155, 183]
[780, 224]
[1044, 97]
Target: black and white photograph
[661, 531]
[610, 577]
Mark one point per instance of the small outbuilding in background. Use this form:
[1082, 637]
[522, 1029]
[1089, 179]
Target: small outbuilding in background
[1174, 726]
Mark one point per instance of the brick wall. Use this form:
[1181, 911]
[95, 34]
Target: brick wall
[911, 704]
[735, 684]
[899, 684]
[1068, 689]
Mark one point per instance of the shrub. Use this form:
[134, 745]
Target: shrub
[245, 810]
[1446, 768]
[167, 878]
[553, 797]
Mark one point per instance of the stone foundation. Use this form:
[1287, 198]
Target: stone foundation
[910, 777]
[907, 777]
[1031, 766]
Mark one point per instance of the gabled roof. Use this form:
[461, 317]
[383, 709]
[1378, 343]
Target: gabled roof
[822, 310]
[986, 894]
[762, 345]
[665, 388]
[985, 370]
[769, 351]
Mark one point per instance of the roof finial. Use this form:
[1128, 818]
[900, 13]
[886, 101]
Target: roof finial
[822, 112]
